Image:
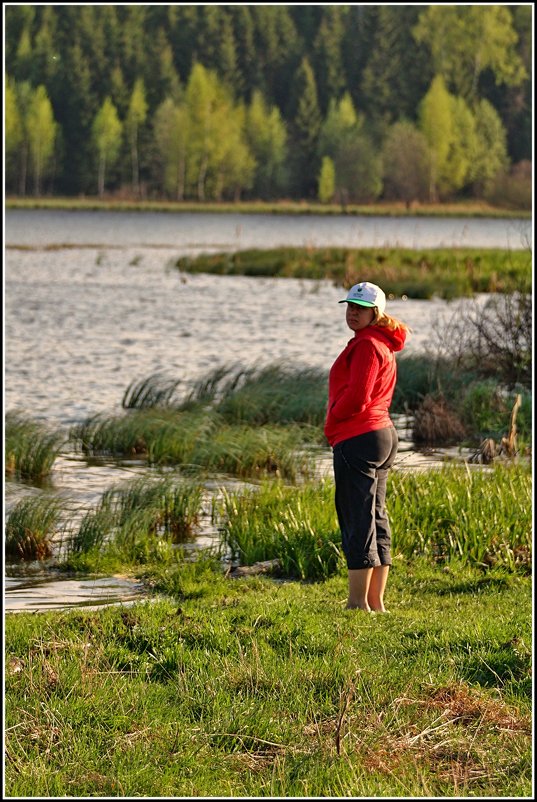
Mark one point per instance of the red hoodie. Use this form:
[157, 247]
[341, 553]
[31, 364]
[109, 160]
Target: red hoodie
[361, 383]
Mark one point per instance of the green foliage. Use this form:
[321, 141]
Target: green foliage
[405, 163]
[305, 120]
[136, 117]
[267, 139]
[106, 133]
[327, 180]
[437, 125]
[284, 64]
[42, 132]
[13, 124]
[491, 152]
[465, 41]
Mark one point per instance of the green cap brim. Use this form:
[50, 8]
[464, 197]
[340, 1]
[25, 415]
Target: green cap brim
[360, 303]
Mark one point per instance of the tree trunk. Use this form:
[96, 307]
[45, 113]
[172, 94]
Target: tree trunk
[102, 170]
[201, 177]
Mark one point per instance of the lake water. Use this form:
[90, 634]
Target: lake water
[92, 303]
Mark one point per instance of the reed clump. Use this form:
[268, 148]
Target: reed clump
[30, 447]
[295, 525]
[138, 519]
[482, 517]
[197, 440]
[32, 528]
[451, 400]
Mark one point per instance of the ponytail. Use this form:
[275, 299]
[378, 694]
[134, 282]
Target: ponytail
[387, 321]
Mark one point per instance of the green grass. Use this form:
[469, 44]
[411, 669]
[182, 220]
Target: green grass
[444, 272]
[478, 517]
[30, 447]
[33, 527]
[252, 688]
[482, 517]
[295, 525]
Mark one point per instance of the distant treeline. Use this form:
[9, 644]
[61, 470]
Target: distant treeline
[350, 104]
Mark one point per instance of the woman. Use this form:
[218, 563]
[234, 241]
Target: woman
[364, 440]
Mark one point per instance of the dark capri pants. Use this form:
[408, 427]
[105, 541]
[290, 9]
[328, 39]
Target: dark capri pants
[361, 467]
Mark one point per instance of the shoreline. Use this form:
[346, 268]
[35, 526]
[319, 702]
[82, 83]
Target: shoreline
[475, 209]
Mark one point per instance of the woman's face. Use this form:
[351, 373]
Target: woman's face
[358, 317]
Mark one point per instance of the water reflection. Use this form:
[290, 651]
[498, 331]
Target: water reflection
[32, 591]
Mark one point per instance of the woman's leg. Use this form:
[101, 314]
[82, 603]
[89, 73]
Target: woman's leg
[379, 579]
[377, 585]
[359, 580]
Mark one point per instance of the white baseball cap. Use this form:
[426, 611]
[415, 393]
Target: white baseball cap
[366, 294]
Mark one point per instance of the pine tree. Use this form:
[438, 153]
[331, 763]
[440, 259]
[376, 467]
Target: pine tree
[248, 73]
[397, 72]
[305, 129]
[327, 58]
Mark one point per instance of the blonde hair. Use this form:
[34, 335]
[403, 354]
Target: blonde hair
[382, 319]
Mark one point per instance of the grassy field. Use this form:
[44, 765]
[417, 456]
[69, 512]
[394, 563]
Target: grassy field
[252, 687]
[466, 209]
[266, 685]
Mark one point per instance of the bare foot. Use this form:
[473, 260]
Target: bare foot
[351, 606]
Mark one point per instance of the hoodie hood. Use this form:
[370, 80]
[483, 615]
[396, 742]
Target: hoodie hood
[394, 338]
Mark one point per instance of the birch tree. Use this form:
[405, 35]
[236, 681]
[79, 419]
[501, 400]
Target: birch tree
[42, 130]
[136, 117]
[106, 134]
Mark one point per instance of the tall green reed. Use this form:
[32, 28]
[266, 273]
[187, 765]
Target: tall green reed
[296, 525]
[482, 516]
[32, 528]
[30, 447]
[135, 516]
[154, 391]
[197, 440]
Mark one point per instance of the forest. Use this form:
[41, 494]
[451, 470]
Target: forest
[335, 103]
